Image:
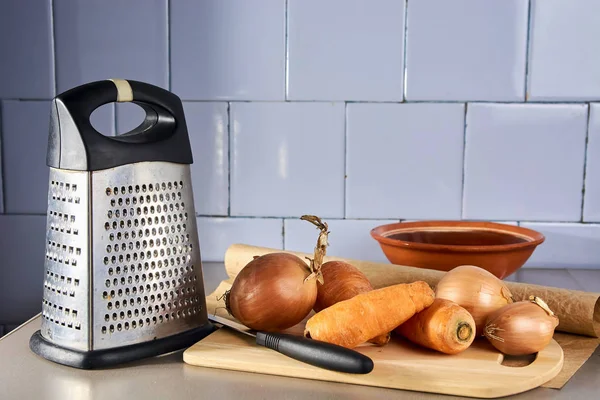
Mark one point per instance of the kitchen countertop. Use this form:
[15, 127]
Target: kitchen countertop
[24, 375]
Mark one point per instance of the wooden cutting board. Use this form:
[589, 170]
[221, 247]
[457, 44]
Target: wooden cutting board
[476, 372]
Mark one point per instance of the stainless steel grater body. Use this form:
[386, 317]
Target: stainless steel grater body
[122, 259]
[122, 272]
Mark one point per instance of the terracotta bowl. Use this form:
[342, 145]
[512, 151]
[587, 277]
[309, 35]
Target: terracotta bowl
[442, 245]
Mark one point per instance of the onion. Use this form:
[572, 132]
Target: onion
[276, 291]
[272, 293]
[476, 290]
[344, 281]
[521, 328]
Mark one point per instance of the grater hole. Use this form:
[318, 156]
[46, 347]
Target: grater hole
[108, 191]
[103, 329]
[119, 327]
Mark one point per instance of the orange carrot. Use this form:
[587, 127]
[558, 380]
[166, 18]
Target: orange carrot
[444, 326]
[352, 322]
[342, 281]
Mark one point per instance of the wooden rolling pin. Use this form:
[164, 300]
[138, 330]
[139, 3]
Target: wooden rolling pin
[578, 312]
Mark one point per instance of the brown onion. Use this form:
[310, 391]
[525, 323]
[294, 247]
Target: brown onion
[521, 328]
[342, 282]
[272, 293]
[476, 290]
[276, 291]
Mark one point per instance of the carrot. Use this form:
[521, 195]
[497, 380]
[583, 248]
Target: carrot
[352, 322]
[342, 282]
[444, 326]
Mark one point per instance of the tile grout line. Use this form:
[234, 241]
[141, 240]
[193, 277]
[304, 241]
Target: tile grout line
[2, 163]
[527, 50]
[492, 102]
[53, 46]
[283, 233]
[292, 217]
[286, 74]
[229, 141]
[575, 279]
[464, 162]
[345, 206]
[585, 152]
[405, 70]
[169, 75]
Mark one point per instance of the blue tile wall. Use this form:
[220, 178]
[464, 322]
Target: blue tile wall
[361, 112]
[359, 57]
[228, 49]
[568, 28]
[110, 39]
[466, 50]
[525, 161]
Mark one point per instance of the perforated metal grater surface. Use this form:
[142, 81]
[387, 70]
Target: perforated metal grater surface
[123, 274]
[65, 296]
[146, 260]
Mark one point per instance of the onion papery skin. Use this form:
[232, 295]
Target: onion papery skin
[270, 293]
[520, 328]
[476, 290]
[342, 281]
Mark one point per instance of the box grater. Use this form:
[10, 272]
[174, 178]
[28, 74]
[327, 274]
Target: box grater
[122, 274]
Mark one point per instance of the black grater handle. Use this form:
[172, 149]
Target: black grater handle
[317, 353]
[74, 144]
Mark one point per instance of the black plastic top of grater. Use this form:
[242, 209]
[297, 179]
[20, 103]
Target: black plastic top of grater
[74, 144]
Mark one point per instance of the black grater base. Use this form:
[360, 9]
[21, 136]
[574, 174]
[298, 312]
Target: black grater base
[97, 359]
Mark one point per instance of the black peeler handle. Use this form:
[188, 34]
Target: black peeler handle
[317, 353]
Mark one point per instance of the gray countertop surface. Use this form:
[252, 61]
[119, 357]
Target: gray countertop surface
[26, 376]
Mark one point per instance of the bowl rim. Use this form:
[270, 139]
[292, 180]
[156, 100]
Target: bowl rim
[381, 233]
